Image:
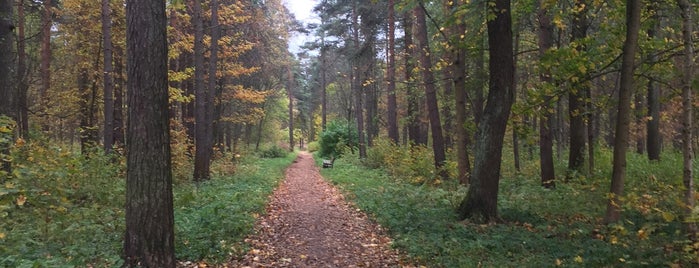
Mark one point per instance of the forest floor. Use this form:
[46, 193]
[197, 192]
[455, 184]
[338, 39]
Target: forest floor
[309, 224]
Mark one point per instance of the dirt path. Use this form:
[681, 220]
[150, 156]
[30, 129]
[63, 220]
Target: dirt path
[309, 224]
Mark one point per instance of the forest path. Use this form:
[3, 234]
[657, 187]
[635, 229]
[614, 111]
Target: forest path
[309, 224]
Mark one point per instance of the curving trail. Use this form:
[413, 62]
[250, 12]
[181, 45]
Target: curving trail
[309, 224]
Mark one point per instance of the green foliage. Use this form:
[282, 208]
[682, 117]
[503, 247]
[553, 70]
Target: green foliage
[274, 152]
[61, 208]
[212, 219]
[338, 137]
[414, 164]
[540, 228]
[313, 146]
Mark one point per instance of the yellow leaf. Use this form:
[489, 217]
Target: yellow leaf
[642, 234]
[668, 217]
[582, 69]
[578, 259]
[2, 235]
[559, 262]
[21, 200]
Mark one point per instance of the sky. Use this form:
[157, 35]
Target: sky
[303, 11]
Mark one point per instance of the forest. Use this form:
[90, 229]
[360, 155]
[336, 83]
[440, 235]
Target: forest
[485, 133]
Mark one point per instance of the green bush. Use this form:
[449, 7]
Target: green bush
[61, 208]
[413, 164]
[274, 152]
[338, 137]
[313, 146]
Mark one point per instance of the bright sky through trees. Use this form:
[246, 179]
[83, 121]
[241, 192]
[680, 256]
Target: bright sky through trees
[303, 11]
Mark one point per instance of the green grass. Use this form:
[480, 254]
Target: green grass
[72, 214]
[542, 228]
[213, 219]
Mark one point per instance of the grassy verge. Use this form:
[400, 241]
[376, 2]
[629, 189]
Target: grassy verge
[212, 219]
[542, 228]
[61, 209]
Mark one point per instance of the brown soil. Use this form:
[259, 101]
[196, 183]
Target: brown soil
[309, 224]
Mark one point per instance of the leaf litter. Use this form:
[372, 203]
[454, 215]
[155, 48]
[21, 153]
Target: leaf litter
[310, 224]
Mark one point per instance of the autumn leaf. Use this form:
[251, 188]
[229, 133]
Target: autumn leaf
[21, 200]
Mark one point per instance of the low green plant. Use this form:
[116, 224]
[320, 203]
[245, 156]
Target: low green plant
[313, 146]
[213, 218]
[274, 152]
[540, 227]
[63, 209]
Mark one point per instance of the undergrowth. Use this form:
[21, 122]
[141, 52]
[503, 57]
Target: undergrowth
[63, 209]
[540, 228]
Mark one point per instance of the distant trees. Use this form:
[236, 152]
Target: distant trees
[149, 239]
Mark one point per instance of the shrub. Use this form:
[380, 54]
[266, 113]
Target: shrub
[273, 152]
[313, 146]
[337, 138]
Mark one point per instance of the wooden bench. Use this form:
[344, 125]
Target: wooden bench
[328, 163]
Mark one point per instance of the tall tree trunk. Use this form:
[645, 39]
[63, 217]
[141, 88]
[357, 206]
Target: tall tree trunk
[290, 93]
[687, 111]
[213, 92]
[480, 203]
[412, 98]
[519, 120]
[323, 83]
[391, 108]
[430, 91]
[458, 74]
[22, 84]
[576, 97]
[653, 136]
[108, 82]
[119, 138]
[149, 239]
[621, 139]
[46, 24]
[357, 88]
[202, 158]
[6, 89]
[639, 117]
[548, 177]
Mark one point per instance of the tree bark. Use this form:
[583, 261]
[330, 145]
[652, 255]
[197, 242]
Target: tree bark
[548, 177]
[22, 84]
[430, 91]
[458, 73]
[576, 97]
[290, 94]
[391, 108]
[480, 203]
[108, 74]
[149, 238]
[414, 132]
[357, 87]
[213, 92]
[687, 111]
[46, 23]
[7, 104]
[202, 157]
[621, 139]
[653, 137]
[119, 138]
